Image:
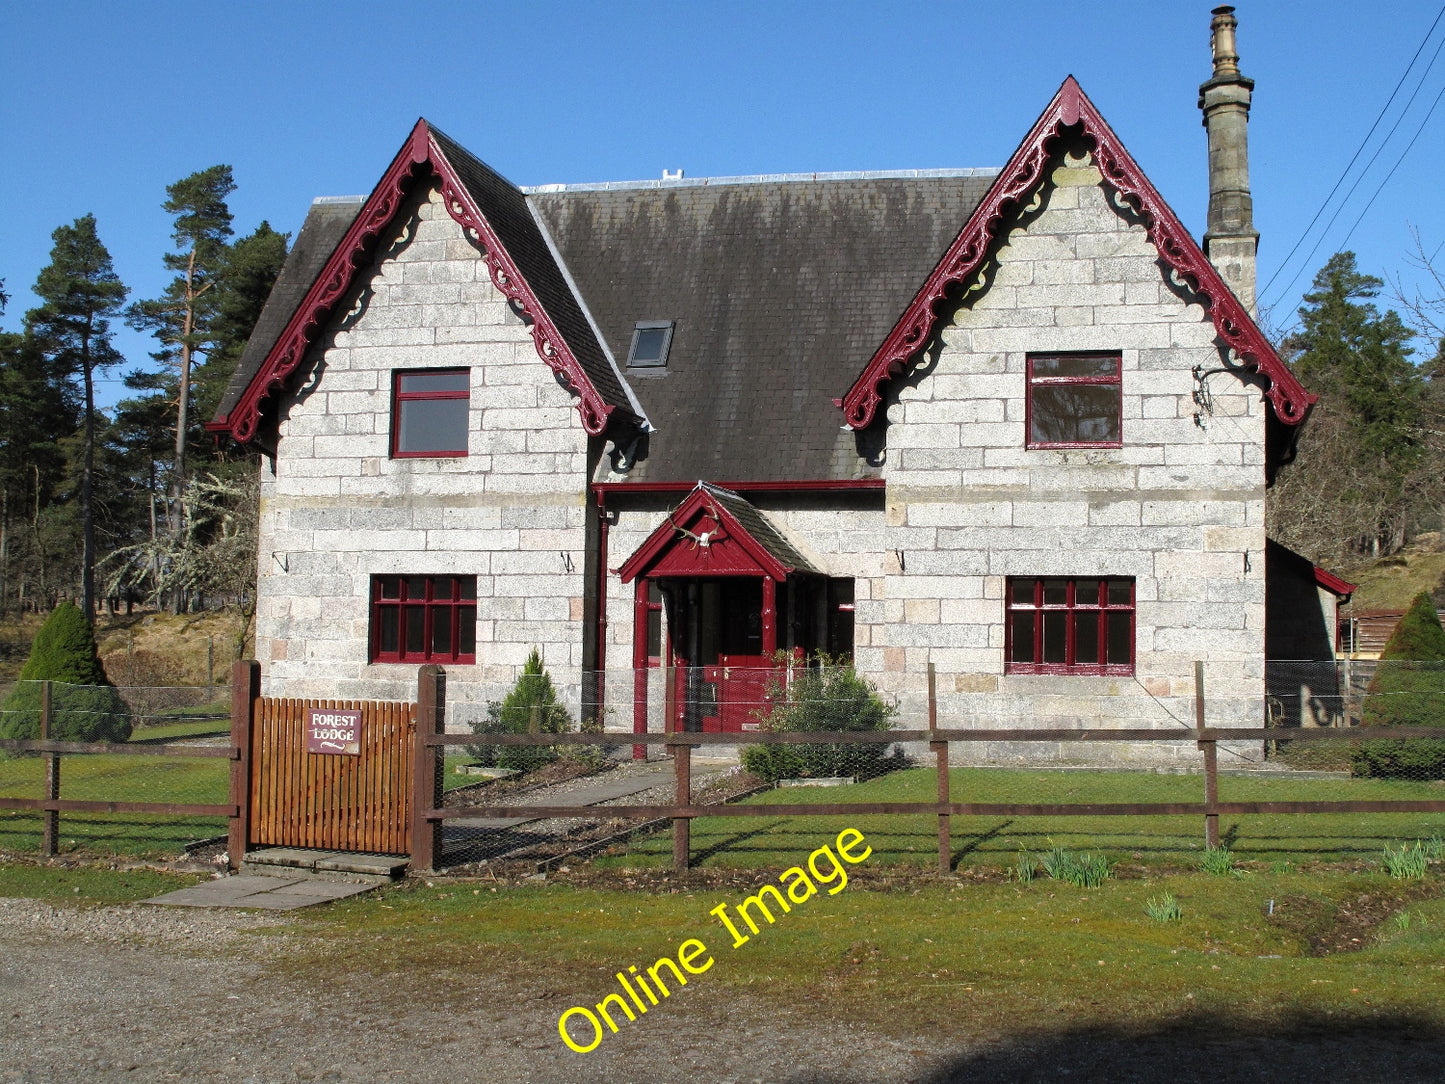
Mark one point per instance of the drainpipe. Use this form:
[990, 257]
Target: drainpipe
[601, 658]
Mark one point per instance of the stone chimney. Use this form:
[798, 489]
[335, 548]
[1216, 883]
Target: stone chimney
[1230, 239]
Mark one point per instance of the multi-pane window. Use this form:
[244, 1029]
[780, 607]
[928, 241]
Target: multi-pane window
[424, 619]
[1070, 626]
[429, 413]
[1075, 401]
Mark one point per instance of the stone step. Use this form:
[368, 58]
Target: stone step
[324, 865]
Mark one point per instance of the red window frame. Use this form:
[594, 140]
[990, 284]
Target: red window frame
[400, 398]
[411, 610]
[1114, 379]
[1112, 599]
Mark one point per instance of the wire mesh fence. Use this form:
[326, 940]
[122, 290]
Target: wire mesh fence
[125, 770]
[1318, 736]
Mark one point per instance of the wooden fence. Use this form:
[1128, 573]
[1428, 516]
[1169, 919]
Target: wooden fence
[52, 805]
[289, 796]
[682, 811]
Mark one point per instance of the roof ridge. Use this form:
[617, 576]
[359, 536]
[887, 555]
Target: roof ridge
[761, 178]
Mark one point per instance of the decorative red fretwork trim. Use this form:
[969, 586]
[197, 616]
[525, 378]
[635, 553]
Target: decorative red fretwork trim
[1011, 191]
[419, 156]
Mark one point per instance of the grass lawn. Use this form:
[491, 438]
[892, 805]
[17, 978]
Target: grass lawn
[922, 955]
[765, 842]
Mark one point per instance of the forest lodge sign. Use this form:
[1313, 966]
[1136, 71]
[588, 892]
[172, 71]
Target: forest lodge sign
[333, 730]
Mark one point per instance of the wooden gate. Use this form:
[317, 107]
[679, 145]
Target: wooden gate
[339, 801]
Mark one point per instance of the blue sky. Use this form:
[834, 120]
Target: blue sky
[104, 104]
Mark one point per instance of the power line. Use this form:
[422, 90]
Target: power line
[1358, 150]
[1308, 261]
[1413, 139]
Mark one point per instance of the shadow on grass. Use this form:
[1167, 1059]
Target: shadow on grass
[731, 842]
[1214, 1049]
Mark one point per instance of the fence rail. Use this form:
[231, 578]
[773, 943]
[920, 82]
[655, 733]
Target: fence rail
[51, 805]
[682, 811]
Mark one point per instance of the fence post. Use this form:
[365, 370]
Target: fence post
[682, 826]
[940, 753]
[245, 691]
[1211, 762]
[50, 824]
[426, 789]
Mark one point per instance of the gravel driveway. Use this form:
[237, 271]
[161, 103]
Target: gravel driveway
[136, 993]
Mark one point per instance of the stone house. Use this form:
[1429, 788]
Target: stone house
[1012, 423]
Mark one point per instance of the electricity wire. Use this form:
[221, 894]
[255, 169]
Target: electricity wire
[1405, 75]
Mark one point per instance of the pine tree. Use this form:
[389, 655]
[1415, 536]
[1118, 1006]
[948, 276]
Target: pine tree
[1357, 482]
[80, 292]
[85, 706]
[182, 319]
[251, 266]
[35, 406]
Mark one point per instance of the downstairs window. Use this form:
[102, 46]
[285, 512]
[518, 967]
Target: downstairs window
[1069, 626]
[420, 619]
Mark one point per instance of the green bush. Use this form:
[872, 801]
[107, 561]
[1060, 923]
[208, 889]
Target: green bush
[84, 705]
[828, 695]
[530, 708]
[1408, 689]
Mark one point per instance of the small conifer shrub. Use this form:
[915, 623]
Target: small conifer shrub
[828, 695]
[84, 704]
[1408, 689]
[531, 707]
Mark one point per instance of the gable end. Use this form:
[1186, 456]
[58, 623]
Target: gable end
[1071, 109]
[425, 153]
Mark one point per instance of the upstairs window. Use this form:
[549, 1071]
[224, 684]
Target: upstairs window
[429, 413]
[1075, 401]
[421, 619]
[651, 340]
[1070, 626]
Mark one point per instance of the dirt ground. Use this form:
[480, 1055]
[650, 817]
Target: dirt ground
[139, 993]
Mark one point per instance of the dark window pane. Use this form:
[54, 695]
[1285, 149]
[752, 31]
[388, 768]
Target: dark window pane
[647, 345]
[469, 586]
[415, 588]
[390, 620]
[1055, 636]
[1086, 593]
[1086, 638]
[441, 631]
[415, 630]
[466, 630]
[1121, 592]
[1022, 647]
[1074, 414]
[1076, 366]
[1121, 638]
[654, 634]
[1056, 592]
[441, 587]
[434, 382]
[654, 593]
[431, 425]
[1023, 592]
[390, 586]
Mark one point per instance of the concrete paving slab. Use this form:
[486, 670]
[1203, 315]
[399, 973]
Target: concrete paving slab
[266, 893]
[593, 792]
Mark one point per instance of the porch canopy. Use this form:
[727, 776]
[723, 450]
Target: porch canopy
[719, 569]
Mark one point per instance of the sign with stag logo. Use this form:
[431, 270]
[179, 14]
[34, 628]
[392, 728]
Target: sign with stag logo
[333, 730]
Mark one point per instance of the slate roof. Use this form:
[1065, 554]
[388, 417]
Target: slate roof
[326, 223]
[781, 290]
[762, 530]
[505, 207]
